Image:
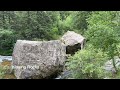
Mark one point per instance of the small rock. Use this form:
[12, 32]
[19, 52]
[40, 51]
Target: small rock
[109, 66]
[106, 78]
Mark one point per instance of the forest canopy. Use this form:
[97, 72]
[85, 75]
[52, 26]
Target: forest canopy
[38, 25]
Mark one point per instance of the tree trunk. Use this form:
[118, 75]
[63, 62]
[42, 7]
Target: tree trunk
[9, 17]
[3, 19]
[28, 18]
[113, 61]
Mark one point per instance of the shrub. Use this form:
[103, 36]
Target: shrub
[7, 39]
[87, 63]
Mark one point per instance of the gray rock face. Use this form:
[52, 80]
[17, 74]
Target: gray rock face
[73, 42]
[38, 59]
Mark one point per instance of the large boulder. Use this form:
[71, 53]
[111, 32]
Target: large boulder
[38, 59]
[73, 41]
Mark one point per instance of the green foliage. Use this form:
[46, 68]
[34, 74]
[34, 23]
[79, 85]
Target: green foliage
[7, 40]
[87, 63]
[102, 32]
[54, 33]
[79, 22]
[3, 71]
[64, 22]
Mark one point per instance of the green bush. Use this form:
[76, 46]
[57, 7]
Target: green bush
[87, 64]
[7, 40]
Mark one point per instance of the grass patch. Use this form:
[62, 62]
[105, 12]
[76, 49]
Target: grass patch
[5, 70]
